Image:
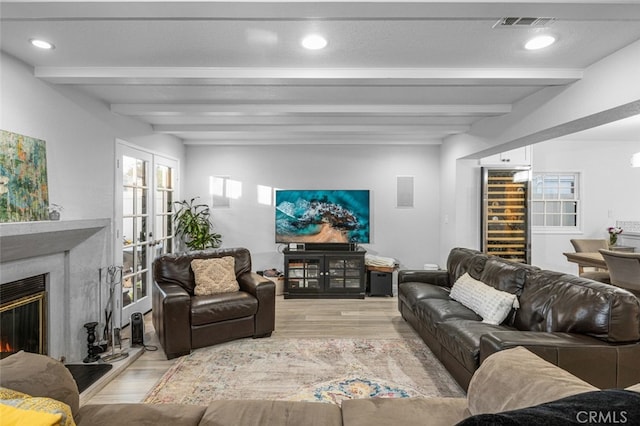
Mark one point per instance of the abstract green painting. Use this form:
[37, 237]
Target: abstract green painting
[24, 194]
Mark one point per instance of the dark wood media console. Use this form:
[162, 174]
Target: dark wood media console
[316, 273]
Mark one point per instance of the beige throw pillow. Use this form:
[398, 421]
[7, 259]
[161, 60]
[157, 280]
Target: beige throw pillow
[215, 275]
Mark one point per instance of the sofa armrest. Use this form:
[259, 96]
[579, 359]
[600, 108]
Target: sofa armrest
[171, 318]
[602, 364]
[265, 291]
[39, 376]
[439, 278]
[253, 283]
[516, 378]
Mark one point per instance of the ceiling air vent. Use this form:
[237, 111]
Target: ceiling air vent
[523, 22]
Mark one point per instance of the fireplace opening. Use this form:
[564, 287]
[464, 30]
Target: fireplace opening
[23, 316]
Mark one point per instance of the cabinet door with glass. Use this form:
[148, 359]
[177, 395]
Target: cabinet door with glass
[345, 274]
[303, 274]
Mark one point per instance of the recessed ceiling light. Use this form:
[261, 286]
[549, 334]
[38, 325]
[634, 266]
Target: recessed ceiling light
[314, 42]
[540, 42]
[42, 44]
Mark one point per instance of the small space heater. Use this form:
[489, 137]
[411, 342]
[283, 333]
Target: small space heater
[137, 329]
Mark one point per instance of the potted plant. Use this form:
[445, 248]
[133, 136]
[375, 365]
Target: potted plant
[193, 225]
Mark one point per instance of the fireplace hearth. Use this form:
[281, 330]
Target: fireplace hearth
[23, 316]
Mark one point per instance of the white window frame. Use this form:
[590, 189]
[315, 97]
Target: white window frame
[577, 198]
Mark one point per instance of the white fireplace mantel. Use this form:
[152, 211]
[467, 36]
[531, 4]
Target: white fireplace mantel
[22, 240]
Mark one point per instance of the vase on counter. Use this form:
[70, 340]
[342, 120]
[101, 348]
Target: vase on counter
[614, 231]
[54, 211]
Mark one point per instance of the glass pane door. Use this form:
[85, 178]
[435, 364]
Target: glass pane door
[164, 197]
[136, 233]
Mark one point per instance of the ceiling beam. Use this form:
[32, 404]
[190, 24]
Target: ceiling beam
[262, 129]
[310, 119]
[309, 76]
[333, 140]
[304, 138]
[206, 110]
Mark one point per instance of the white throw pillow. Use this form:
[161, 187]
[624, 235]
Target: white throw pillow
[491, 304]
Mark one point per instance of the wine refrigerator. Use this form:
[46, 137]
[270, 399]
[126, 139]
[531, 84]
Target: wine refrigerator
[505, 213]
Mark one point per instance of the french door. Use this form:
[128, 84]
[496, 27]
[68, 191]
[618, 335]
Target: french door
[144, 205]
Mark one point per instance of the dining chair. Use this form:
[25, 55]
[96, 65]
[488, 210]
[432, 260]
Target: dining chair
[591, 246]
[624, 269]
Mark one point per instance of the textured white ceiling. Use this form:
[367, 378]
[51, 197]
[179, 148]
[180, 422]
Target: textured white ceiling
[234, 72]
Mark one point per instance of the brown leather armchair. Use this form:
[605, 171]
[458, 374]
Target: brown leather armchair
[184, 321]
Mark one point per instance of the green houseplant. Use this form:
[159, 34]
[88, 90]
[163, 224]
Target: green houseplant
[193, 225]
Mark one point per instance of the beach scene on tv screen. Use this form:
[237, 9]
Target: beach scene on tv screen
[322, 216]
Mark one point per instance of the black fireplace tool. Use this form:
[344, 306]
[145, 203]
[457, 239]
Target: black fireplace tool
[111, 333]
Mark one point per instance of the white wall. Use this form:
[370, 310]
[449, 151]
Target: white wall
[609, 192]
[410, 235]
[80, 135]
[460, 196]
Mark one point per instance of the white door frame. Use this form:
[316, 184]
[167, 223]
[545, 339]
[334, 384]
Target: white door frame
[122, 313]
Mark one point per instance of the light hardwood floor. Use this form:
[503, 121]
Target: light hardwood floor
[373, 317]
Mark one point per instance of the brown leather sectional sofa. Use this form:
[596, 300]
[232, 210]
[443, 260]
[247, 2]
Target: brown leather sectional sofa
[500, 392]
[585, 327]
[184, 321]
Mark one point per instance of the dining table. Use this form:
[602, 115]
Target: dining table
[592, 259]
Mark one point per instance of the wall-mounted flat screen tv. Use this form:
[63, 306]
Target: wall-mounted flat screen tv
[317, 216]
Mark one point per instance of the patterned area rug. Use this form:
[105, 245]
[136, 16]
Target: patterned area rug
[326, 370]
